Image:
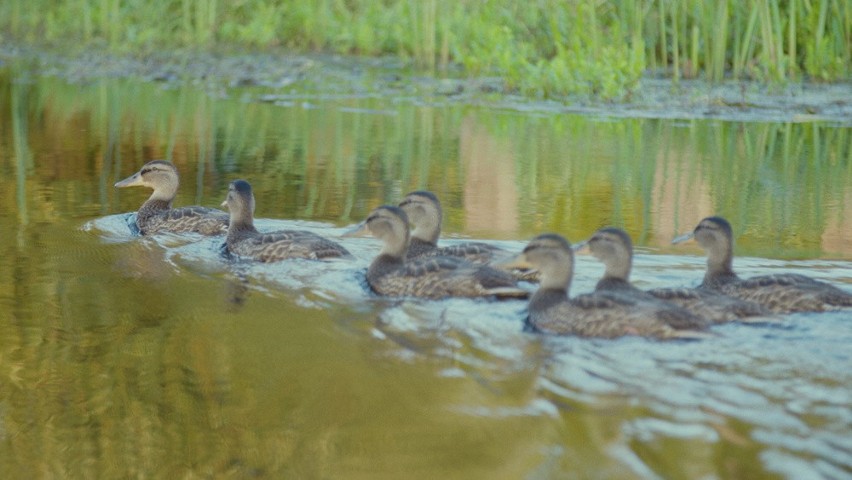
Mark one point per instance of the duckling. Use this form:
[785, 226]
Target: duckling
[424, 211]
[243, 239]
[597, 314]
[157, 215]
[392, 273]
[780, 293]
[613, 247]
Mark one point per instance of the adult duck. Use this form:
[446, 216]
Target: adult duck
[425, 214]
[392, 273]
[244, 240]
[157, 215]
[597, 314]
[614, 248]
[780, 293]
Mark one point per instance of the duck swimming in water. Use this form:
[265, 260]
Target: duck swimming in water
[614, 248]
[244, 240]
[157, 215]
[780, 293]
[392, 273]
[596, 314]
[424, 211]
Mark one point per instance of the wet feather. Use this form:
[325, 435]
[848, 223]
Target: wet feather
[392, 273]
[244, 240]
[781, 293]
[157, 215]
[598, 314]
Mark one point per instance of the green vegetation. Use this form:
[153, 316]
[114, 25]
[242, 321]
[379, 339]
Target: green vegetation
[539, 47]
[786, 184]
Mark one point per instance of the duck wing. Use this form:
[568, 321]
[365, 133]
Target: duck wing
[280, 245]
[602, 316]
[207, 221]
[471, 251]
[787, 293]
[441, 277]
[711, 305]
[675, 316]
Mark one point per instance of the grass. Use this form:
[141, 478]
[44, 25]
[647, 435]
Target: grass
[545, 48]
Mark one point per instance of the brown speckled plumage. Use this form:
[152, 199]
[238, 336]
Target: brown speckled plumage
[614, 248]
[599, 314]
[781, 293]
[425, 214]
[392, 274]
[244, 240]
[157, 215]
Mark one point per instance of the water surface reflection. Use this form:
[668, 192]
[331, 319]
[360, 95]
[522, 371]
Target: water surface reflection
[123, 356]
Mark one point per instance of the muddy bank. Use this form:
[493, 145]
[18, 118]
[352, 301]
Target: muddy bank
[288, 80]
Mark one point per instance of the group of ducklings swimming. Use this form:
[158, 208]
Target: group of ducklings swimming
[411, 263]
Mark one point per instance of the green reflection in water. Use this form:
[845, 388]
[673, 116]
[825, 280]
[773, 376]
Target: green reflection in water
[500, 174]
[108, 370]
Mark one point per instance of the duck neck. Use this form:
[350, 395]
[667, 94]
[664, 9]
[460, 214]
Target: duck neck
[608, 283]
[428, 230]
[418, 247]
[618, 268]
[557, 276]
[239, 225]
[720, 260]
[545, 298]
[383, 264]
[395, 246]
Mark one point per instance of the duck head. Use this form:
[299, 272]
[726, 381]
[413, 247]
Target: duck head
[240, 203]
[613, 247]
[424, 211]
[550, 254]
[390, 225]
[159, 175]
[716, 237]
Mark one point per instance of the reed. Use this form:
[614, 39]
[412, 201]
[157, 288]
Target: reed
[540, 47]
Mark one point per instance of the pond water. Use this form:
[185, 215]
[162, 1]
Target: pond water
[153, 357]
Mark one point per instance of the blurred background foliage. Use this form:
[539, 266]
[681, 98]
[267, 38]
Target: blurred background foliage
[541, 48]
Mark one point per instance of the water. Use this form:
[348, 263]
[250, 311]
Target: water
[154, 357]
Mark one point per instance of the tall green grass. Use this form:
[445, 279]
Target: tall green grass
[539, 47]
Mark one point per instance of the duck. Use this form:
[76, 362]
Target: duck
[614, 248]
[425, 213]
[598, 314]
[156, 215]
[393, 273]
[244, 240]
[780, 293]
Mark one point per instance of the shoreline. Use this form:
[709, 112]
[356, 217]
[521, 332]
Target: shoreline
[282, 77]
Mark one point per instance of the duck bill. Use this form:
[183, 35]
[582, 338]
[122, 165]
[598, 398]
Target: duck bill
[579, 245]
[224, 203]
[518, 262]
[683, 238]
[131, 181]
[359, 230]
